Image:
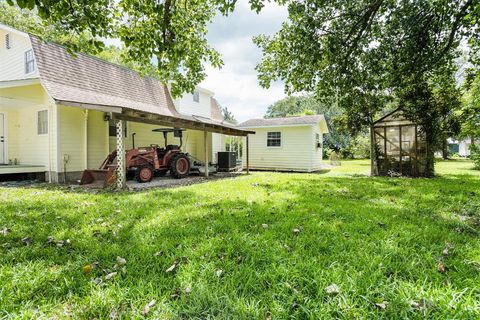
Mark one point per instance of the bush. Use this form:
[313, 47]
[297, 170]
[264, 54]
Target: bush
[475, 156]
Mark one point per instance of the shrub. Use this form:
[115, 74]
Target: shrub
[475, 156]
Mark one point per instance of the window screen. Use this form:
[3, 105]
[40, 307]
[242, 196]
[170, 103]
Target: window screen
[196, 96]
[274, 139]
[42, 125]
[29, 62]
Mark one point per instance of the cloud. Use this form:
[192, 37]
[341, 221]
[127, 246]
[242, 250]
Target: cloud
[236, 85]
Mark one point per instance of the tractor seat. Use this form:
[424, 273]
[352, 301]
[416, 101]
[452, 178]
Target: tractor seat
[161, 152]
[172, 147]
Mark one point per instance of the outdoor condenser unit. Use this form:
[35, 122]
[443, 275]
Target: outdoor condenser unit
[227, 160]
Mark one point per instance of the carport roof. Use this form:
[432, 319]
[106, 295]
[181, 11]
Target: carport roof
[87, 82]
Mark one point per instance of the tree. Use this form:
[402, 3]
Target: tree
[26, 21]
[228, 115]
[470, 111]
[337, 139]
[372, 53]
[173, 32]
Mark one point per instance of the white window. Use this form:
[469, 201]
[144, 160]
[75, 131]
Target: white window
[274, 139]
[196, 96]
[8, 41]
[42, 124]
[29, 62]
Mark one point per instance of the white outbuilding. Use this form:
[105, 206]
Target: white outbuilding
[286, 144]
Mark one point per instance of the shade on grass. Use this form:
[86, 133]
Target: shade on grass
[235, 251]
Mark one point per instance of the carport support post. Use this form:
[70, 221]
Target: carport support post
[248, 156]
[205, 143]
[120, 171]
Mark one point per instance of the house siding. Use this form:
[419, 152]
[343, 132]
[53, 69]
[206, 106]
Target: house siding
[72, 139]
[317, 153]
[24, 144]
[97, 139]
[12, 63]
[186, 105]
[295, 153]
[218, 145]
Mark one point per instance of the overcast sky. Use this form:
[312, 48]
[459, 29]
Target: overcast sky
[236, 85]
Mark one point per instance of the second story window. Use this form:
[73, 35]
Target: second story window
[196, 96]
[29, 62]
[8, 41]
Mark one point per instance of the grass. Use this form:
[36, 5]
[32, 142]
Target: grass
[235, 251]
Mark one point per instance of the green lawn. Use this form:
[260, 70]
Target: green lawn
[260, 246]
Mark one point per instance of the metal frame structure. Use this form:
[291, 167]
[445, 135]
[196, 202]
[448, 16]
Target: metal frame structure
[385, 160]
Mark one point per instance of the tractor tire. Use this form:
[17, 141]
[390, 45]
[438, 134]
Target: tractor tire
[180, 166]
[144, 173]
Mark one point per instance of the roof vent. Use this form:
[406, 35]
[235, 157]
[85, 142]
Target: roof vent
[8, 43]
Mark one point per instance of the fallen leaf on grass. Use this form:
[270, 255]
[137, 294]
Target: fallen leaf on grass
[332, 289]
[382, 305]
[441, 267]
[422, 304]
[5, 231]
[110, 275]
[27, 241]
[87, 268]
[113, 314]
[445, 252]
[296, 231]
[147, 307]
[172, 267]
[121, 261]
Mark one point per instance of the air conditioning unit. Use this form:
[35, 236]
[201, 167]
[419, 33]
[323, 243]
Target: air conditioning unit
[227, 160]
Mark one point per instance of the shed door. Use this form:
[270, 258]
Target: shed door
[2, 138]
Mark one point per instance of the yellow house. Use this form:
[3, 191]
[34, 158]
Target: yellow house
[286, 144]
[59, 113]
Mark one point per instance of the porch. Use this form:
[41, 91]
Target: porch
[21, 168]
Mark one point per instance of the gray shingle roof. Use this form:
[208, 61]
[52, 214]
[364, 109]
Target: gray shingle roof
[301, 120]
[85, 79]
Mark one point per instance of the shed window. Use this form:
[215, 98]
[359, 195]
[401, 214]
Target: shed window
[42, 122]
[29, 62]
[274, 139]
[196, 96]
[112, 128]
[8, 41]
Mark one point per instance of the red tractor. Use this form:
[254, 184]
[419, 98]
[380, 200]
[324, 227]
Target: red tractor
[144, 163]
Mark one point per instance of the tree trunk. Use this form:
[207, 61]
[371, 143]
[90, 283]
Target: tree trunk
[445, 149]
[430, 157]
[373, 156]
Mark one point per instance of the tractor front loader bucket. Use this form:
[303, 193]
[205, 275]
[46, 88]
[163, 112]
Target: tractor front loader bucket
[98, 178]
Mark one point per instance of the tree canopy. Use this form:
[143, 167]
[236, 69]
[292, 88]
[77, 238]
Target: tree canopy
[173, 32]
[373, 54]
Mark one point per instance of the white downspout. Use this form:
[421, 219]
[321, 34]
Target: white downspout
[86, 141]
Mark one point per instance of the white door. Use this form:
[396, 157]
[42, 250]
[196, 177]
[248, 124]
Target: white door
[3, 142]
